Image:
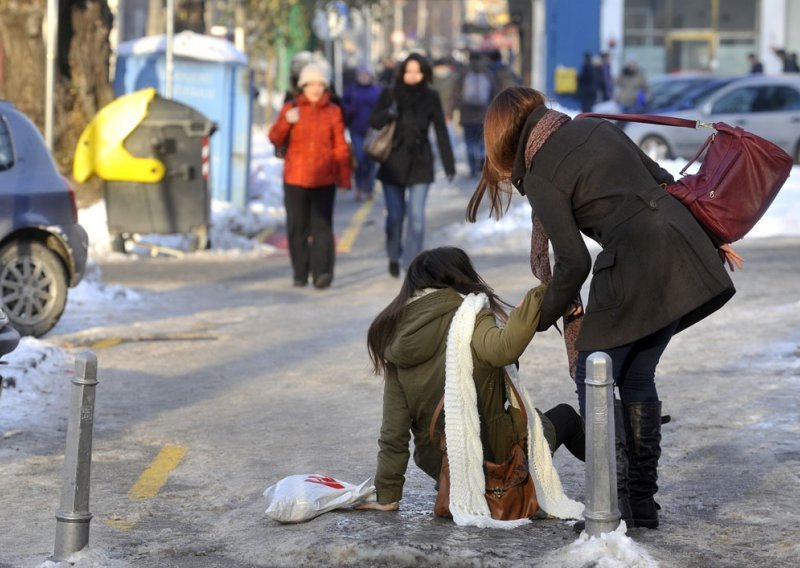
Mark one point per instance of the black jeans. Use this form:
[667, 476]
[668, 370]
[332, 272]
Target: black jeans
[568, 426]
[309, 217]
[633, 366]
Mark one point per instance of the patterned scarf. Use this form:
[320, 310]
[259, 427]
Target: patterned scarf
[540, 251]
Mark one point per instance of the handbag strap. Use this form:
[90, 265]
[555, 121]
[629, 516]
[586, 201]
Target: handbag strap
[512, 388]
[650, 119]
[665, 120]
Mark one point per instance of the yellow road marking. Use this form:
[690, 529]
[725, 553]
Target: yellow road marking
[120, 525]
[155, 476]
[349, 236]
[262, 236]
[107, 342]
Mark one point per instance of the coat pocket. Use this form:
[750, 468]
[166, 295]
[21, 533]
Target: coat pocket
[606, 288]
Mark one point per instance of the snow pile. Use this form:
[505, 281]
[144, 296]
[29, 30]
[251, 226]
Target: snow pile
[86, 558]
[609, 550]
[92, 290]
[35, 371]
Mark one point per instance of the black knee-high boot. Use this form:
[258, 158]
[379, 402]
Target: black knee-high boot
[643, 420]
[621, 446]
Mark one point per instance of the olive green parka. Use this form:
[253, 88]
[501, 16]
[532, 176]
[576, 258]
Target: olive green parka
[415, 381]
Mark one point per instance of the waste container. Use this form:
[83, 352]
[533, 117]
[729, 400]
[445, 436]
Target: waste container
[152, 153]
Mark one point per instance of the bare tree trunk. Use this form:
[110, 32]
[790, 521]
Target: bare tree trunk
[23, 53]
[82, 81]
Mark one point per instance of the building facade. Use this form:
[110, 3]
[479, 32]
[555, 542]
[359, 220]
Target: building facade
[667, 36]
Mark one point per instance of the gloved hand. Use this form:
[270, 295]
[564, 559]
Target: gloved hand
[292, 115]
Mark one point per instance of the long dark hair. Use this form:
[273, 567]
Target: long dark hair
[443, 267]
[424, 66]
[502, 127]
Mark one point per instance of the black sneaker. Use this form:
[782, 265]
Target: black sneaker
[394, 268]
[299, 283]
[323, 281]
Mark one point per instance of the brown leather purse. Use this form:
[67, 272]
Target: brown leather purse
[510, 492]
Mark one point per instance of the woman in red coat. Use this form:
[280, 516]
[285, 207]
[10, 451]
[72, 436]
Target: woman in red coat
[317, 160]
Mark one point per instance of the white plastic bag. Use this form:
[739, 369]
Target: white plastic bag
[299, 498]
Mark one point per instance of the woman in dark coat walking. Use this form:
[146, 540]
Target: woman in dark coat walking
[408, 172]
[657, 274]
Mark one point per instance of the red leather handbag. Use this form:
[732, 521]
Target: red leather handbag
[739, 178]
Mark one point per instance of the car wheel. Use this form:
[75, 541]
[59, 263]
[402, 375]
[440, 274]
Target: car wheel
[33, 286]
[655, 147]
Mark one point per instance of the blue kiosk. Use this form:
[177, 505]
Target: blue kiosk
[211, 76]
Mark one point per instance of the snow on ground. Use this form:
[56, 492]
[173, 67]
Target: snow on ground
[36, 366]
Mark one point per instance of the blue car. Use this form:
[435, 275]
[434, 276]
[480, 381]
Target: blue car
[43, 249]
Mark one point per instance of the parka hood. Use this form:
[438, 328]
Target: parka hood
[423, 329]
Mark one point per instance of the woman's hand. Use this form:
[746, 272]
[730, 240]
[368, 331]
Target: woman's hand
[375, 506]
[573, 311]
[292, 115]
[731, 257]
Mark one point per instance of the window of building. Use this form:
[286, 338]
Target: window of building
[666, 36]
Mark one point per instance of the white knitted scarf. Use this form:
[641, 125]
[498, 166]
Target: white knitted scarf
[462, 430]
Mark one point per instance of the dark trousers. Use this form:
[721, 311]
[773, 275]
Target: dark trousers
[633, 366]
[365, 168]
[309, 227]
[476, 152]
[568, 427]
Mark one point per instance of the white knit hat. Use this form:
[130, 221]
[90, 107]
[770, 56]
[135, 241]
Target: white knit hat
[313, 72]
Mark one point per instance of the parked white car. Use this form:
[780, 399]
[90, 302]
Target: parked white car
[768, 106]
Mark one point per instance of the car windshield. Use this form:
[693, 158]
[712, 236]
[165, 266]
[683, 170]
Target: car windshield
[666, 90]
[697, 95]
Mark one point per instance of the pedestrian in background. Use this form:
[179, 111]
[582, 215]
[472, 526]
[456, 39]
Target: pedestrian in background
[607, 82]
[587, 84]
[502, 74]
[755, 65]
[792, 65]
[317, 160]
[788, 63]
[388, 71]
[658, 272]
[358, 102]
[445, 82]
[632, 91]
[407, 344]
[472, 96]
[408, 173]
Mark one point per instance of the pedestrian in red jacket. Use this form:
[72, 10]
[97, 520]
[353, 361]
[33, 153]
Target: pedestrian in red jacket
[317, 161]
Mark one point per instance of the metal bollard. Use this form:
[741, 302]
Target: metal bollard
[602, 512]
[73, 517]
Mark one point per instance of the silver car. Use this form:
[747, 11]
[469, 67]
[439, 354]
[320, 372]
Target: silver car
[768, 106]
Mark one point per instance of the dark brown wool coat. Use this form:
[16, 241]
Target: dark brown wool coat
[657, 264]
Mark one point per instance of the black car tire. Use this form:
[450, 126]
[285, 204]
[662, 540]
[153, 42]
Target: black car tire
[33, 286]
[656, 147]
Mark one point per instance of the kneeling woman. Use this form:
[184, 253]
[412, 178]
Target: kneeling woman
[408, 344]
